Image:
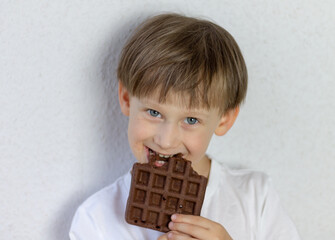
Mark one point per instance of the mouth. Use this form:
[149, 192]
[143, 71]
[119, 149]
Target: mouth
[160, 158]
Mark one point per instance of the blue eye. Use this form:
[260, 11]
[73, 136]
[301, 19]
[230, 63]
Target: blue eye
[153, 113]
[191, 120]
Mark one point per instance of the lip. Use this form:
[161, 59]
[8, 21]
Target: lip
[147, 153]
[166, 154]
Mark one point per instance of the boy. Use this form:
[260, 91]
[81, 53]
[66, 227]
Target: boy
[181, 80]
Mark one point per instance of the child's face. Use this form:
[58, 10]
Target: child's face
[168, 128]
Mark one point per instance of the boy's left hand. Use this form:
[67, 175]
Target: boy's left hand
[185, 227]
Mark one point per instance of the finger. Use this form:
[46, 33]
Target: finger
[163, 237]
[195, 231]
[194, 220]
[199, 232]
[175, 235]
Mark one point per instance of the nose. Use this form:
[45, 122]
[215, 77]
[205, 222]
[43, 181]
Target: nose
[167, 136]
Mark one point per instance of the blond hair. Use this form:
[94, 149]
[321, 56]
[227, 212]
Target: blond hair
[185, 55]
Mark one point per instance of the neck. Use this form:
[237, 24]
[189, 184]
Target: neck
[203, 166]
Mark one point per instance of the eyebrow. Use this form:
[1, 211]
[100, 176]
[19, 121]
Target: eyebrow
[188, 111]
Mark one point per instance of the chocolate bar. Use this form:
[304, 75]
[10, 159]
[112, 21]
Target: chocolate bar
[157, 192]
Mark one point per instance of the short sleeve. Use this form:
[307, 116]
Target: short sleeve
[275, 223]
[83, 227]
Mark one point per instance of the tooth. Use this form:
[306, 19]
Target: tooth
[166, 156]
[161, 155]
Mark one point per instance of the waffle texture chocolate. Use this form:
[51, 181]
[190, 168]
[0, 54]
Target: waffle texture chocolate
[158, 192]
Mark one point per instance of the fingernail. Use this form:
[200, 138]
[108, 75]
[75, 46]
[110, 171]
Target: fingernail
[170, 235]
[174, 217]
[170, 225]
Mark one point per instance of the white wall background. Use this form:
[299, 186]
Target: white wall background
[62, 136]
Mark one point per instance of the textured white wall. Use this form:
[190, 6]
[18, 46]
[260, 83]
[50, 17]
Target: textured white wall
[62, 136]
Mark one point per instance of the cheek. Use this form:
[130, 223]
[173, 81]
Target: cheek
[138, 131]
[198, 144]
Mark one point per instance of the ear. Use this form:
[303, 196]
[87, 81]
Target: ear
[124, 99]
[226, 122]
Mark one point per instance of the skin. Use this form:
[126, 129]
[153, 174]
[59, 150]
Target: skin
[170, 128]
[187, 227]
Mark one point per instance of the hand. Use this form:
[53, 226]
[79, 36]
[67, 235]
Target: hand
[188, 227]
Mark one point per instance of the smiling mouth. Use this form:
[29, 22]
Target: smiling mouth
[159, 159]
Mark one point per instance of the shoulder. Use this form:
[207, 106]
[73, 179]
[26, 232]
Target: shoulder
[101, 210]
[245, 180]
[108, 195]
[243, 189]
[250, 196]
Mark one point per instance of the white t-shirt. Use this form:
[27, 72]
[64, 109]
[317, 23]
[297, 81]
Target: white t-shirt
[242, 201]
